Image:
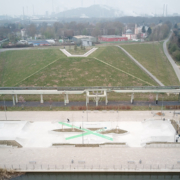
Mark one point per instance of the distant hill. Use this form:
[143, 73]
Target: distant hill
[95, 11]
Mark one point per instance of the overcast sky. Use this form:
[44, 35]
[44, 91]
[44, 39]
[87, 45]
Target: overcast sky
[15, 7]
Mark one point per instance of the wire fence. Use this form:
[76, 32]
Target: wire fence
[82, 167]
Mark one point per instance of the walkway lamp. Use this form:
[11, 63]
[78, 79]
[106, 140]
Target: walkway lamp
[5, 109]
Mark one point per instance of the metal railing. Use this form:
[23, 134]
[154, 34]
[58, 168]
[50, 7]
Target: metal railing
[93, 88]
[130, 166]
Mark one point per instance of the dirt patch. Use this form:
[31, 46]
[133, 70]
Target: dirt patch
[62, 144]
[176, 126]
[87, 145]
[68, 130]
[4, 174]
[115, 131]
[10, 143]
[159, 114]
[162, 143]
[93, 129]
[113, 144]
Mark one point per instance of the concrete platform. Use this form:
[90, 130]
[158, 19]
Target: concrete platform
[34, 131]
[41, 134]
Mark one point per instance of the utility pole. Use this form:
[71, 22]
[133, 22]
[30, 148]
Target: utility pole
[52, 7]
[82, 3]
[33, 9]
[23, 13]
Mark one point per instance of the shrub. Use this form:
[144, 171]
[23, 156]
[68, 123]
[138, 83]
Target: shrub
[176, 55]
[173, 48]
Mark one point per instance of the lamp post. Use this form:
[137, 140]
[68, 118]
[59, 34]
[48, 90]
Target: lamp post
[82, 131]
[5, 109]
[162, 109]
[87, 111]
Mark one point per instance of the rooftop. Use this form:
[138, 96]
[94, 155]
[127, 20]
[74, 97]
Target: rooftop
[83, 37]
[111, 36]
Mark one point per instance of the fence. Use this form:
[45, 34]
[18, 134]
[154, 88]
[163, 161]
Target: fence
[131, 166]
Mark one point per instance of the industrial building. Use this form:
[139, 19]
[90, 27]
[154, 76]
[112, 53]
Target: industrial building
[111, 38]
[87, 40]
[39, 42]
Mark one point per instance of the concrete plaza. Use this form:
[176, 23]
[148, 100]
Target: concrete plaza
[103, 158]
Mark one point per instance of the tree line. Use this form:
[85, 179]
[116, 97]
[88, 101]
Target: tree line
[174, 44]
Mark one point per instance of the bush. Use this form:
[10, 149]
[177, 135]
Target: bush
[176, 55]
[173, 48]
[17, 46]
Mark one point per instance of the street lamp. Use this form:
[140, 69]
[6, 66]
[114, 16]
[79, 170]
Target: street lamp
[5, 109]
[87, 111]
[162, 108]
[82, 131]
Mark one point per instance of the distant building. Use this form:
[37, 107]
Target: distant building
[50, 41]
[129, 34]
[39, 42]
[138, 30]
[78, 39]
[83, 16]
[23, 33]
[111, 38]
[86, 42]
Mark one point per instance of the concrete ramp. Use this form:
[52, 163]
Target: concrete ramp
[84, 55]
[27, 126]
[21, 141]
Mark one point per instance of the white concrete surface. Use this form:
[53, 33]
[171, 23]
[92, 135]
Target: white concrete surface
[41, 134]
[37, 135]
[84, 55]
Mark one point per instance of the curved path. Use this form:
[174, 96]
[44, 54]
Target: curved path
[175, 67]
[142, 67]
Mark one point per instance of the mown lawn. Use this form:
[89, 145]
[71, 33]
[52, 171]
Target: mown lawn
[152, 57]
[16, 65]
[117, 58]
[80, 72]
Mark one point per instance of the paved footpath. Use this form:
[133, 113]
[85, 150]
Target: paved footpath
[174, 65]
[90, 116]
[153, 159]
[142, 67]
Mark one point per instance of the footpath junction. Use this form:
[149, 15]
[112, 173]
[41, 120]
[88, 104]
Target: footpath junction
[91, 92]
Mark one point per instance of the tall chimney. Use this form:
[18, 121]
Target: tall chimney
[164, 10]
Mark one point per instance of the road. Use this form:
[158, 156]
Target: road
[175, 67]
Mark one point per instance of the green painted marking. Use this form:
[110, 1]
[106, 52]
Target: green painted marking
[87, 132]
[79, 135]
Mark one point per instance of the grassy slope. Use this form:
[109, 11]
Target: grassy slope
[69, 71]
[152, 57]
[16, 65]
[117, 58]
[80, 72]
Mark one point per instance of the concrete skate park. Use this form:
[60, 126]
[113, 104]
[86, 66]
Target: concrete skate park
[134, 141]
